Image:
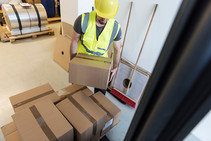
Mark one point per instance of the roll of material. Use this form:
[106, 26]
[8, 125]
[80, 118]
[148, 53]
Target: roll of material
[16, 16]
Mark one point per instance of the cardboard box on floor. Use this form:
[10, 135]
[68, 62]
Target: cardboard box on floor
[71, 89]
[30, 97]
[43, 121]
[90, 70]
[67, 29]
[10, 132]
[87, 118]
[62, 51]
[113, 112]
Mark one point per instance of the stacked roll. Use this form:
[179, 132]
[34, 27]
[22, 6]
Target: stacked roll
[19, 17]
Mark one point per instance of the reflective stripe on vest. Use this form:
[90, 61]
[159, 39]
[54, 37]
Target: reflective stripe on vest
[88, 43]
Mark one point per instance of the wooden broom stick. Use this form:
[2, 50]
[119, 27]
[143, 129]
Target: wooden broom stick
[128, 20]
[142, 47]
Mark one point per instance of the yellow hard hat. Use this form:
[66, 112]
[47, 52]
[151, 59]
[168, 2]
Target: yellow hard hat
[106, 8]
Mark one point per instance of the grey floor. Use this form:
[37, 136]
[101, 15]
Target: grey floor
[28, 63]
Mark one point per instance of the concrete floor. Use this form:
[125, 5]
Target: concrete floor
[28, 63]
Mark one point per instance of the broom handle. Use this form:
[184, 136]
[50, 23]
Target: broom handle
[131, 4]
[142, 46]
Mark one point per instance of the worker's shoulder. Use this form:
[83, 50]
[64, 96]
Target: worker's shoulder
[86, 13]
[116, 22]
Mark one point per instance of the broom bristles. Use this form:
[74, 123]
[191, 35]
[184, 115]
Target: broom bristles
[123, 98]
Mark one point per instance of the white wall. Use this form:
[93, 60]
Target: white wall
[71, 9]
[85, 6]
[140, 17]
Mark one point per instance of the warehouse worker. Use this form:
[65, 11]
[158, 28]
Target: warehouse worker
[95, 31]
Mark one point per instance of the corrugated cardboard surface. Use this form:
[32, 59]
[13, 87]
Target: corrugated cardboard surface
[62, 51]
[31, 128]
[93, 109]
[112, 110]
[8, 128]
[67, 29]
[82, 126]
[87, 92]
[10, 132]
[90, 70]
[30, 97]
[13, 137]
[69, 90]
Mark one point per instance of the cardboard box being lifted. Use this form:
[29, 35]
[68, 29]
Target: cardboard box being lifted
[10, 132]
[90, 70]
[87, 118]
[43, 121]
[30, 97]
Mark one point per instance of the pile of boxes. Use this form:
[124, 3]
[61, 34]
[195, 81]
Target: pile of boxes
[72, 113]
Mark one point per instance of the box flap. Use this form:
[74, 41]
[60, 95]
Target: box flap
[32, 94]
[62, 51]
[69, 90]
[89, 105]
[8, 128]
[94, 58]
[78, 120]
[90, 63]
[67, 29]
[14, 136]
[95, 112]
[87, 92]
[106, 103]
[41, 122]
[53, 97]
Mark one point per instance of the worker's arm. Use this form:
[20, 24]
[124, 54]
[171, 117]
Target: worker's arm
[117, 52]
[74, 44]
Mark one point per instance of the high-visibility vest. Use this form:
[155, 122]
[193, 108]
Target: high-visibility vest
[88, 43]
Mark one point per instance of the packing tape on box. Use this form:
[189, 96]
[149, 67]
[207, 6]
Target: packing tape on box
[33, 98]
[43, 124]
[85, 113]
[101, 106]
[93, 59]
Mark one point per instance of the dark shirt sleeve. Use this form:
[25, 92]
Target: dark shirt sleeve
[119, 35]
[77, 25]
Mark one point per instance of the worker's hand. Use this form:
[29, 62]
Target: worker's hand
[113, 71]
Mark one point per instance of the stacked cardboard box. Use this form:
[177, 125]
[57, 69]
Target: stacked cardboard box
[10, 132]
[90, 70]
[80, 115]
[91, 114]
[42, 121]
[113, 112]
[85, 107]
[28, 98]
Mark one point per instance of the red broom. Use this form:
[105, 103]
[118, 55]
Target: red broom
[114, 91]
